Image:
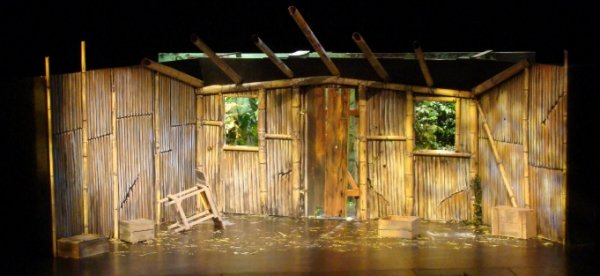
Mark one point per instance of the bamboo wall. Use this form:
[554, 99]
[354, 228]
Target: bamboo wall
[212, 143]
[441, 188]
[134, 136]
[385, 159]
[503, 106]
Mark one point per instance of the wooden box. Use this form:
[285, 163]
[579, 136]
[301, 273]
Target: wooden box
[398, 227]
[136, 230]
[82, 246]
[513, 222]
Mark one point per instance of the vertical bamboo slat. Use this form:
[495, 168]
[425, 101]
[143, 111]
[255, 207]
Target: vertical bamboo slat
[473, 141]
[296, 211]
[114, 166]
[156, 126]
[84, 137]
[199, 145]
[525, 137]
[362, 151]
[408, 162]
[262, 158]
[50, 151]
[564, 133]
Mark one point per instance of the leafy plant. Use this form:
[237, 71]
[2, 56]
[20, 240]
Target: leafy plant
[241, 121]
[435, 124]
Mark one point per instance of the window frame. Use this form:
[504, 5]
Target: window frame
[229, 147]
[436, 152]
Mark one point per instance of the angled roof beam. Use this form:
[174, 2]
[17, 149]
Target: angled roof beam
[364, 47]
[216, 60]
[277, 61]
[500, 77]
[312, 39]
[421, 59]
[172, 72]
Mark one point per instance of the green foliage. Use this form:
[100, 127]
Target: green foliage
[241, 121]
[476, 189]
[435, 124]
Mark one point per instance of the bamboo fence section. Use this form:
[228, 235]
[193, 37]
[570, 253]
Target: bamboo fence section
[312, 39]
[271, 55]
[216, 59]
[423, 64]
[85, 146]
[364, 47]
[409, 178]
[213, 140]
[50, 151]
[362, 152]
[441, 187]
[326, 80]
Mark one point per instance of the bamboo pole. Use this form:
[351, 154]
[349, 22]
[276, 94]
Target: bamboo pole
[500, 77]
[442, 153]
[240, 148]
[172, 72]
[50, 153]
[216, 60]
[362, 152]
[199, 142]
[364, 47]
[212, 123]
[525, 137]
[114, 167]
[322, 80]
[457, 126]
[262, 151]
[278, 136]
[386, 138]
[422, 63]
[409, 159]
[296, 211]
[157, 132]
[511, 195]
[312, 39]
[277, 61]
[84, 144]
[474, 148]
[437, 99]
[564, 145]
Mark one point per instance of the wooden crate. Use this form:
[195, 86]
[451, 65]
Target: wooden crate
[398, 227]
[136, 230]
[513, 222]
[82, 246]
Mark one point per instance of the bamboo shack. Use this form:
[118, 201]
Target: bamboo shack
[335, 135]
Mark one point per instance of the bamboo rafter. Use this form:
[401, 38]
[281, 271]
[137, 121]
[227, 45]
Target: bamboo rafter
[271, 55]
[364, 47]
[423, 64]
[172, 72]
[216, 59]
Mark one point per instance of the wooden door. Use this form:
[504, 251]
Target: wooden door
[327, 150]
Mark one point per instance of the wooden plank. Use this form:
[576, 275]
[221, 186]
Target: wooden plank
[500, 77]
[336, 145]
[315, 149]
[362, 152]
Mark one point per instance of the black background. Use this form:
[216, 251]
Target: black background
[120, 33]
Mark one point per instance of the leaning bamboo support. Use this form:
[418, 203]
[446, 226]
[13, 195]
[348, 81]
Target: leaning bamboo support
[564, 145]
[296, 210]
[362, 151]
[473, 148]
[423, 64]
[271, 55]
[500, 77]
[314, 42]
[364, 47]
[262, 151]
[457, 126]
[216, 60]
[50, 153]
[114, 168]
[492, 143]
[84, 144]
[157, 131]
[172, 72]
[409, 177]
[525, 137]
[323, 80]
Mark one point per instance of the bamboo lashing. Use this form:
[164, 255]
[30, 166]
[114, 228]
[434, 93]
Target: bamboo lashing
[312, 39]
[216, 60]
[525, 137]
[50, 152]
[364, 47]
[84, 145]
[409, 160]
[362, 151]
[500, 77]
[492, 143]
[422, 63]
[457, 126]
[156, 122]
[296, 211]
[564, 145]
[262, 155]
[114, 167]
[323, 80]
[271, 55]
[172, 72]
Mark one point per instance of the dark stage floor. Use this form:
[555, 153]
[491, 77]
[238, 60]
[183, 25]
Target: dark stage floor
[273, 245]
